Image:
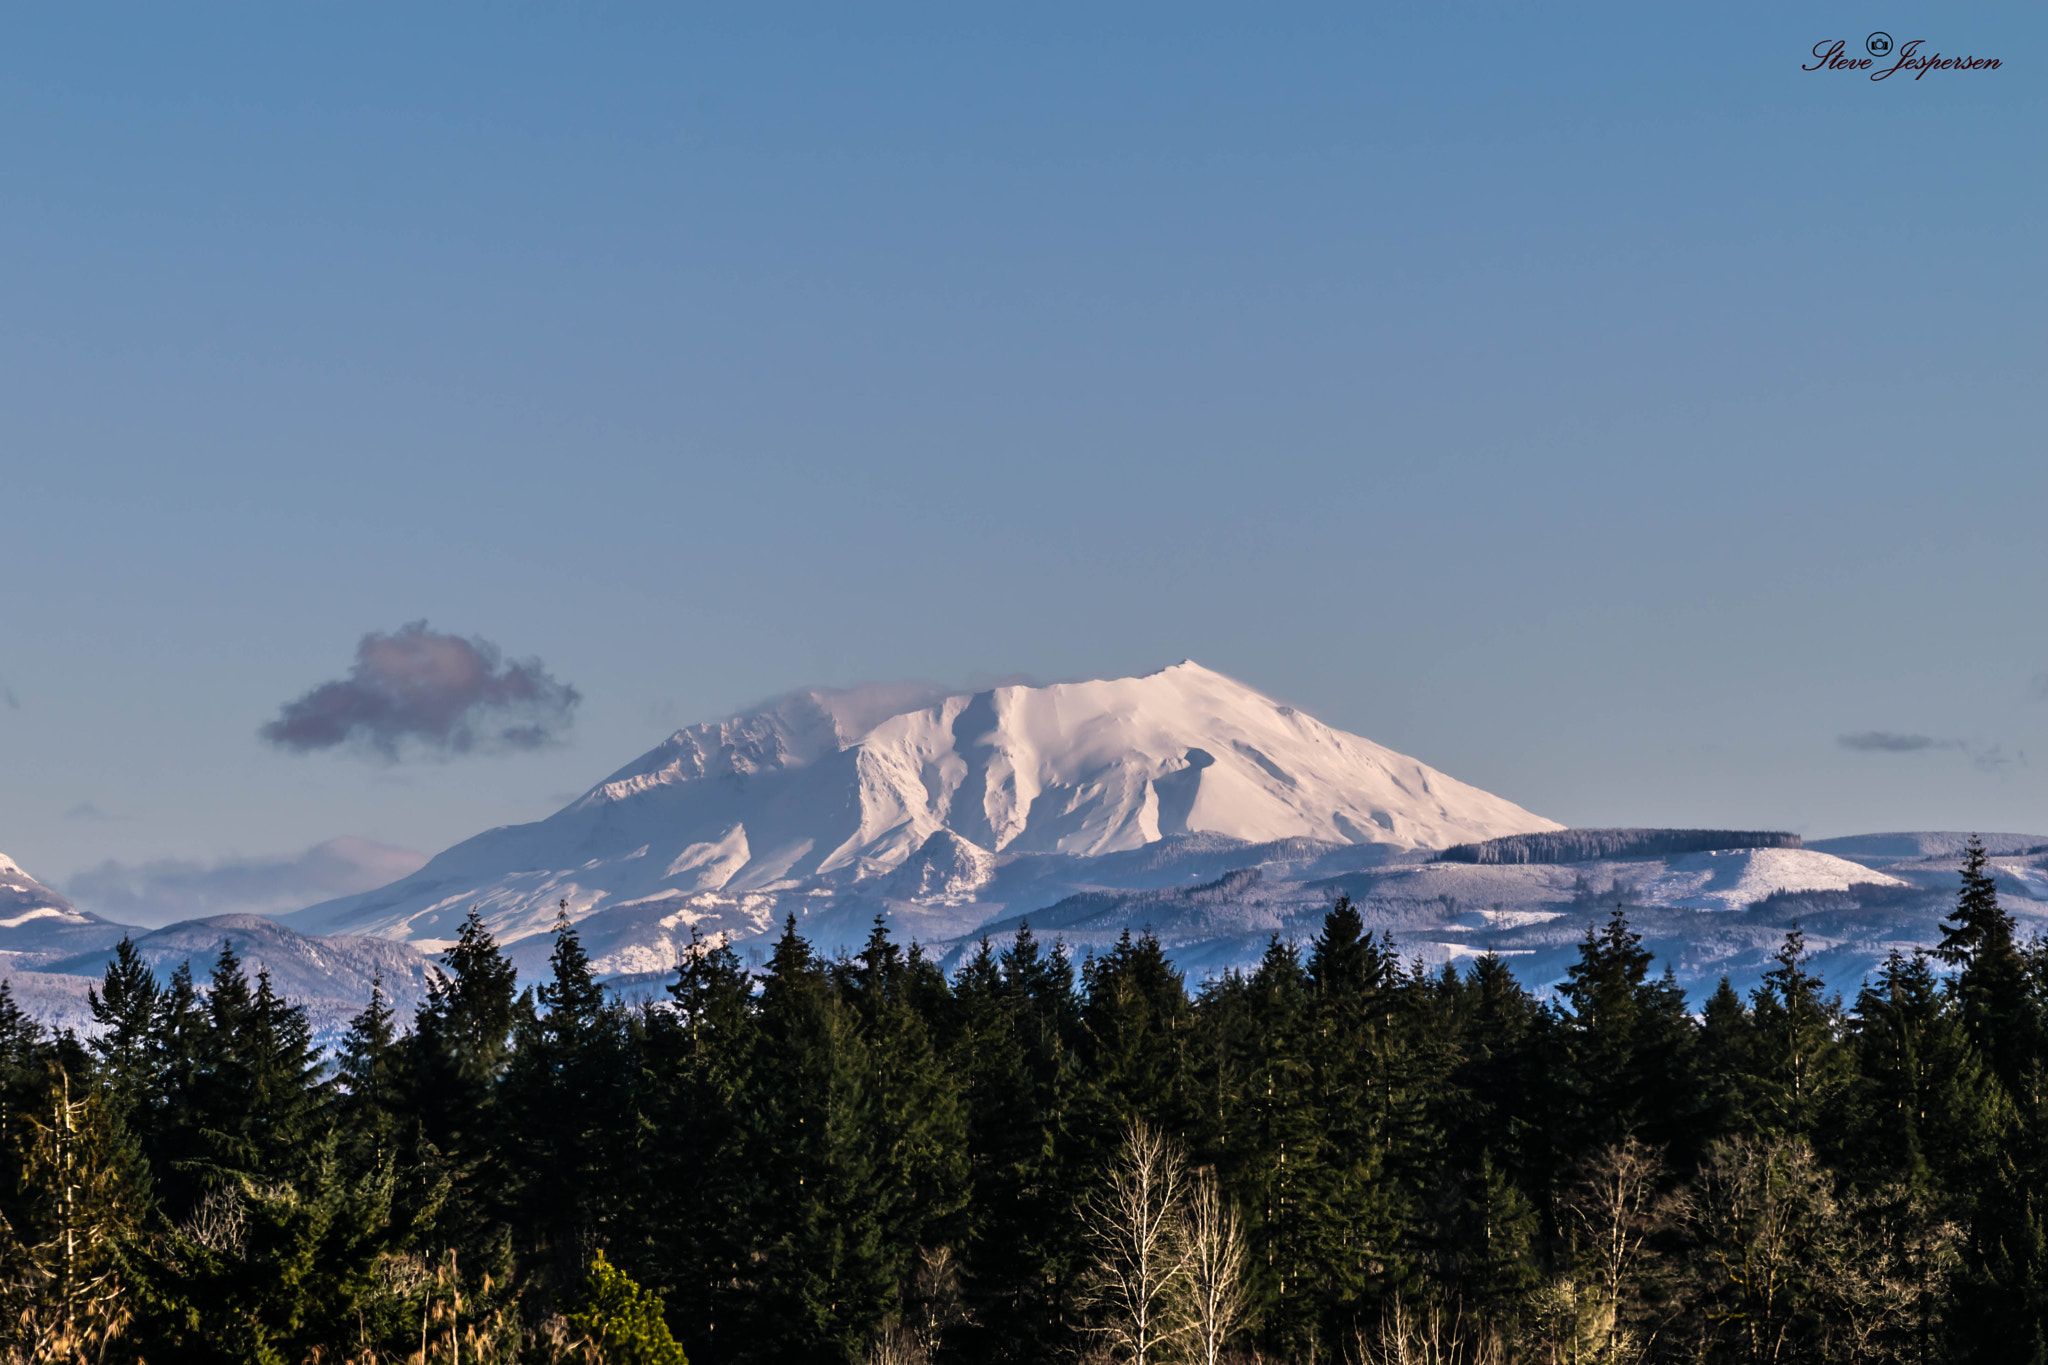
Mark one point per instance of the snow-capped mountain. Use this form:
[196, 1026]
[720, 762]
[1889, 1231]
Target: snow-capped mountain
[900, 794]
[36, 922]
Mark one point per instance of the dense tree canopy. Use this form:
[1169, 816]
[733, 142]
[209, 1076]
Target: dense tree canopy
[868, 1159]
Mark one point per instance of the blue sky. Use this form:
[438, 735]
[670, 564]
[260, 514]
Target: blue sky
[1587, 401]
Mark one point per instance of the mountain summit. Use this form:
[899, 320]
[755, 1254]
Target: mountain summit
[832, 793]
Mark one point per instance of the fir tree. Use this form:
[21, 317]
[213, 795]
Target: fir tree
[1628, 1044]
[124, 1008]
[454, 1058]
[367, 1069]
[689, 1229]
[1977, 939]
[818, 1275]
[569, 1102]
[1358, 1220]
[1802, 1066]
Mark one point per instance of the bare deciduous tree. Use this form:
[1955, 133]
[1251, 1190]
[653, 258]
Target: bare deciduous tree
[1434, 1334]
[1141, 1257]
[1611, 1212]
[1213, 1290]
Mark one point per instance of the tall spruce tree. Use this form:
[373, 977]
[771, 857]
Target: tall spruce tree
[1803, 1069]
[124, 1012]
[1359, 1220]
[1990, 982]
[690, 1229]
[568, 1101]
[819, 1276]
[1627, 1043]
[453, 1060]
[1927, 1111]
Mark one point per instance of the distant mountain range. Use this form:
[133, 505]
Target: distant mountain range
[1181, 801]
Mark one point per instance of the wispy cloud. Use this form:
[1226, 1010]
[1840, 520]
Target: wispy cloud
[1988, 758]
[7, 695]
[419, 690]
[89, 809]
[1891, 742]
[171, 889]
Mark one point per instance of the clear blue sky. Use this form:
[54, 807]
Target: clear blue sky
[1587, 401]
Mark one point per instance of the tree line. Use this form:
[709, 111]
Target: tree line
[1336, 1156]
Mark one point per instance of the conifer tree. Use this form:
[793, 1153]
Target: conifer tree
[569, 1105]
[1135, 1016]
[1628, 1044]
[690, 1231]
[1803, 1068]
[1990, 982]
[818, 1276]
[1727, 1065]
[367, 1068]
[454, 1059]
[1015, 1076]
[1928, 1112]
[917, 1126]
[124, 1009]
[1268, 1139]
[1358, 1218]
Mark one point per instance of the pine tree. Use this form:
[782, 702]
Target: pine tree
[1358, 1218]
[1928, 1112]
[1266, 1137]
[367, 1068]
[1802, 1066]
[124, 1008]
[568, 1100]
[1135, 1019]
[1015, 1012]
[1977, 940]
[916, 1124]
[622, 1321]
[1628, 1044]
[818, 1274]
[453, 1061]
[1727, 1065]
[690, 1229]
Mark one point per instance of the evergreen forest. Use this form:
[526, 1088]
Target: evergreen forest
[1337, 1156]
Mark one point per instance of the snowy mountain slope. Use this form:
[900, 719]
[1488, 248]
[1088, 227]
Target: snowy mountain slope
[36, 923]
[51, 953]
[1880, 850]
[824, 798]
[337, 969]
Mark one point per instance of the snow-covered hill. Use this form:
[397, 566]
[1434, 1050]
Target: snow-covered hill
[900, 795]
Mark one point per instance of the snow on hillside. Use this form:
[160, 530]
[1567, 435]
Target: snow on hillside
[821, 795]
[1738, 878]
[1878, 849]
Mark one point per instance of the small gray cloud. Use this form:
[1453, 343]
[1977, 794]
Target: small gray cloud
[7, 695]
[1989, 758]
[2038, 689]
[173, 889]
[422, 690]
[88, 809]
[1890, 742]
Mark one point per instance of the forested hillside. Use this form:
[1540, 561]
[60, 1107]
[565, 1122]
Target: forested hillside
[1337, 1156]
